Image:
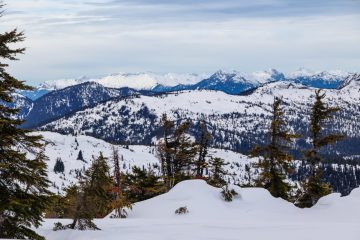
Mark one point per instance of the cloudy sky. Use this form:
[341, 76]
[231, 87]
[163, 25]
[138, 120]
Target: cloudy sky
[71, 38]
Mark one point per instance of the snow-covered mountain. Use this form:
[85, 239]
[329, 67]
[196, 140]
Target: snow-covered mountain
[236, 82]
[64, 101]
[318, 79]
[236, 122]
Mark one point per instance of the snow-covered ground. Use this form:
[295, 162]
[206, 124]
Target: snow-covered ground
[254, 215]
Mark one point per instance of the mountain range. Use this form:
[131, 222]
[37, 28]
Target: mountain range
[232, 82]
[235, 106]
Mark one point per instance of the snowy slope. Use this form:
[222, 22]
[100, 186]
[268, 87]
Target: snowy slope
[68, 147]
[255, 214]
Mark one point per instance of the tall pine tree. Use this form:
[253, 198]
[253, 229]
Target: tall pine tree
[314, 186]
[203, 145]
[119, 203]
[275, 165]
[23, 181]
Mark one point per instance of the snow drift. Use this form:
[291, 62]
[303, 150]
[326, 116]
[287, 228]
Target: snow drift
[255, 214]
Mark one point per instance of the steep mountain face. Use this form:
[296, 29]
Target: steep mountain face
[236, 122]
[324, 79]
[34, 94]
[22, 103]
[62, 102]
[352, 82]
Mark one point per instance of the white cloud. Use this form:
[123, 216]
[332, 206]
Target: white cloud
[70, 38]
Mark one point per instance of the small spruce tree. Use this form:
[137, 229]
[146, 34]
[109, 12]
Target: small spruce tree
[176, 152]
[80, 156]
[203, 145]
[59, 166]
[217, 172]
[276, 162]
[93, 195]
[314, 187]
[120, 202]
[142, 184]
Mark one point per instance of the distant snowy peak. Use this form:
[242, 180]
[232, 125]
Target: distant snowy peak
[235, 82]
[62, 83]
[270, 75]
[332, 75]
[319, 79]
[138, 81]
[352, 81]
[255, 78]
[301, 72]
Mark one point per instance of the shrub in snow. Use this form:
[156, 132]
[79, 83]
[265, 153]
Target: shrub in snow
[181, 210]
[58, 226]
[81, 224]
[228, 194]
[59, 166]
[85, 224]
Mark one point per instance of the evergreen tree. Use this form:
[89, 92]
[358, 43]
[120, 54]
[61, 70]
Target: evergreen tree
[165, 151]
[23, 181]
[275, 165]
[314, 186]
[119, 202]
[59, 166]
[248, 174]
[93, 195]
[80, 156]
[203, 145]
[217, 172]
[142, 184]
[185, 152]
[176, 152]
